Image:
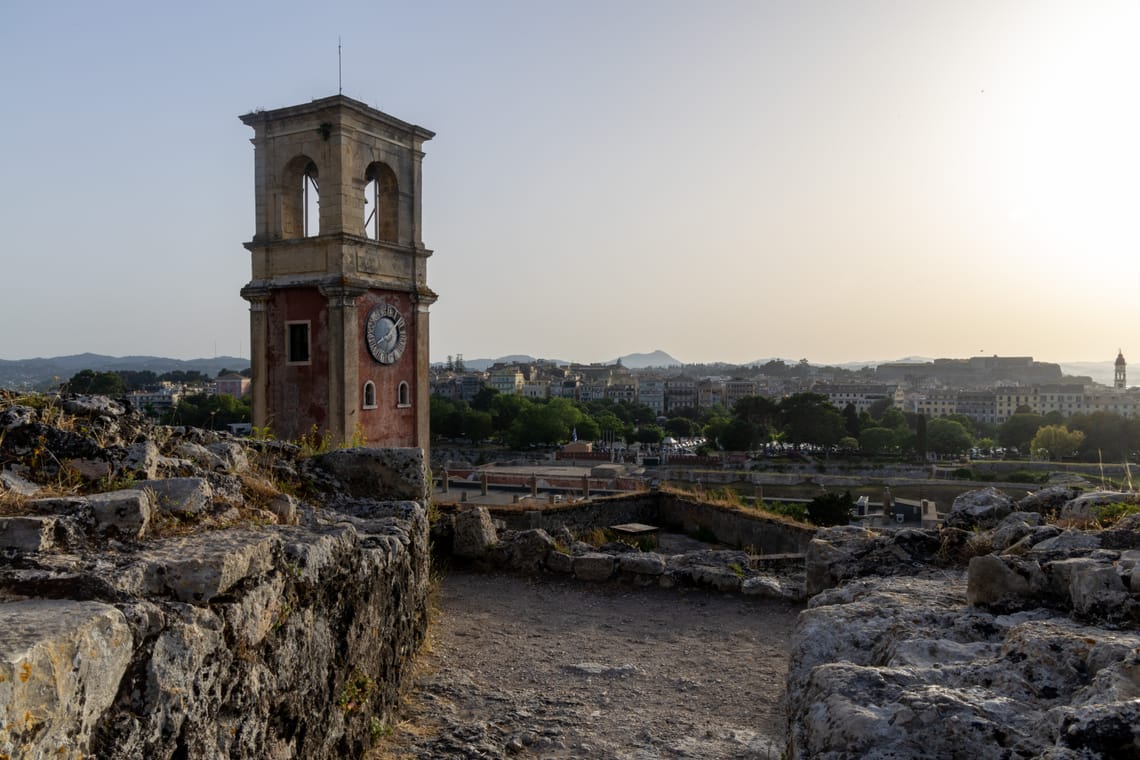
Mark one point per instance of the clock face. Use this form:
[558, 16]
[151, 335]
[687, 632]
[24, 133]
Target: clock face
[386, 333]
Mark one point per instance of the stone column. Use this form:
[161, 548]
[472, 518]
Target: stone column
[446, 484]
[585, 486]
[421, 383]
[258, 353]
[344, 356]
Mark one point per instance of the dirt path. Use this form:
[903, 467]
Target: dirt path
[546, 668]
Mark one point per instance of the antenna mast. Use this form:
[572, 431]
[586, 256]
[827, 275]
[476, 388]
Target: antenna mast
[339, 79]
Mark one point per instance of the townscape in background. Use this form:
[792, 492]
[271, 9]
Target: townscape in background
[980, 406]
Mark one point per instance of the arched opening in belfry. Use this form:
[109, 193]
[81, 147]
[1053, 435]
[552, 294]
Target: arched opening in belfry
[380, 199]
[300, 199]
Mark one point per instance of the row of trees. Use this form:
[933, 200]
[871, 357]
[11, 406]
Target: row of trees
[520, 422]
[118, 382]
[802, 419]
[212, 412]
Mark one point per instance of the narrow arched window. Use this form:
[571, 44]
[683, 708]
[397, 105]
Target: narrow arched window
[300, 199]
[403, 396]
[380, 203]
[370, 395]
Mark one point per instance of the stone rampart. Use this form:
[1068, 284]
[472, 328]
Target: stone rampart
[1008, 637]
[762, 534]
[209, 615]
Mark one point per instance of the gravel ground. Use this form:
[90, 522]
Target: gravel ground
[549, 668]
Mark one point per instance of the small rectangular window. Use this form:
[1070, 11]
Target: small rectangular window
[298, 342]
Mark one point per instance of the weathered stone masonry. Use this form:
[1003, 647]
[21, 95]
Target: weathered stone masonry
[270, 641]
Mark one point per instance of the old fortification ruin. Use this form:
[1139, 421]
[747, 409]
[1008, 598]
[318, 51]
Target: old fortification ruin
[1005, 633]
[173, 592]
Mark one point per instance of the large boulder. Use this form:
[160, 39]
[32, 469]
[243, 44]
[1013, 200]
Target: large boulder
[474, 533]
[594, 566]
[180, 496]
[845, 552]
[1048, 500]
[1083, 508]
[982, 508]
[382, 474]
[1014, 527]
[902, 667]
[528, 549]
[1005, 583]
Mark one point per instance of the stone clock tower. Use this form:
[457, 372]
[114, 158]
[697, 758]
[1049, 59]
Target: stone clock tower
[339, 297]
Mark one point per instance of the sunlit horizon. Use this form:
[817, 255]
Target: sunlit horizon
[857, 182]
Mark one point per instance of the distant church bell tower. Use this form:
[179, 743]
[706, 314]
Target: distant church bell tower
[339, 297]
[1119, 381]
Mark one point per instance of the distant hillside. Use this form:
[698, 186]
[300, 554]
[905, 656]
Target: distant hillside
[481, 365]
[41, 373]
[657, 358]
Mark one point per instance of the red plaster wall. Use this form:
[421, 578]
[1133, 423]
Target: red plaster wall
[298, 394]
[387, 425]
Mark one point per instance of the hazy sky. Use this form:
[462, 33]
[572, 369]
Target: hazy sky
[722, 180]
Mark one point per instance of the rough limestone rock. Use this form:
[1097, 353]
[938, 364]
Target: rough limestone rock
[772, 587]
[366, 473]
[903, 668]
[125, 636]
[199, 568]
[1084, 507]
[1013, 528]
[844, 552]
[142, 460]
[33, 533]
[285, 508]
[528, 549]
[982, 508]
[1032, 538]
[196, 453]
[475, 533]
[1007, 583]
[93, 406]
[125, 513]
[1095, 588]
[16, 416]
[1048, 500]
[231, 457]
[560, 562]
[61, 663]
[10, 481]
[594, 567]
[648, 563]
[1065, 544]
[180, 496]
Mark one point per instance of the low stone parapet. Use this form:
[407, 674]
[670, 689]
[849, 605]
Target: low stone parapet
[536, 551]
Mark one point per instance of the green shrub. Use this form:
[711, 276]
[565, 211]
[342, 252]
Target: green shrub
[1107, 514]
[794, 510]
[831, 509]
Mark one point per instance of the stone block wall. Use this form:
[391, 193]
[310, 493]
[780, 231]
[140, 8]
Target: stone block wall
[276, 643]
[192, 623]
[764, 534]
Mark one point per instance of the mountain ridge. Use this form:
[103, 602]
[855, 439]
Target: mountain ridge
[42, 373]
